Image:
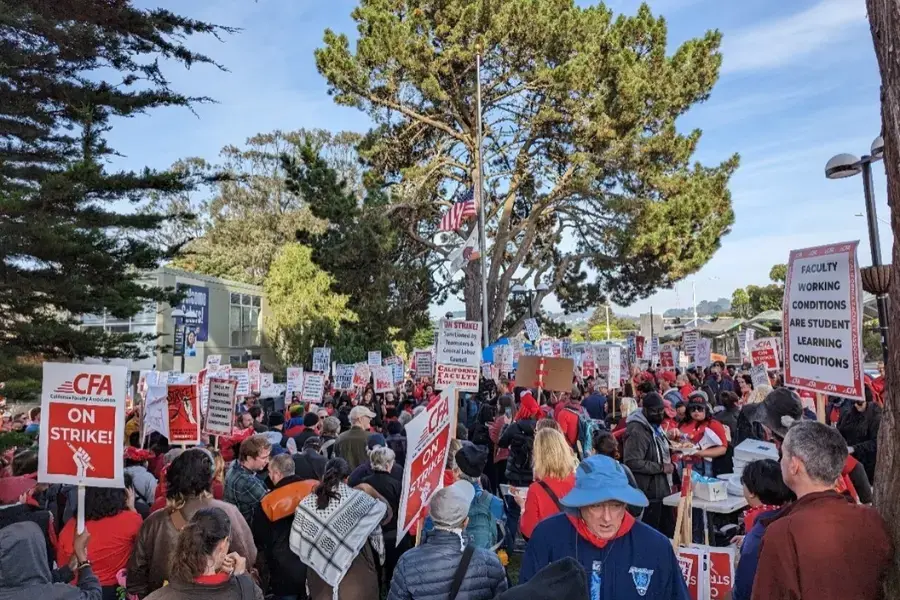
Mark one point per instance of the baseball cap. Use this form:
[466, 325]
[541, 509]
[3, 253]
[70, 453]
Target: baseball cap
[360, 411]
[449, 506]
[375, 440]
[668, 376]
[601, 479]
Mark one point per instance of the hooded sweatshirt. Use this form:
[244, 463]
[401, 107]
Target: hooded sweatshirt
[645, 452]
[25, 575]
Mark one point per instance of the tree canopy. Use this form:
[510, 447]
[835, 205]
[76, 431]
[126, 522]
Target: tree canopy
[754, 299]
[66, 70]
[590, 187]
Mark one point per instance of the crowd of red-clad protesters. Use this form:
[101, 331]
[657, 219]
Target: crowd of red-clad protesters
[304, 503]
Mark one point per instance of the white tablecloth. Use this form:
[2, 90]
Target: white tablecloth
[723, 507]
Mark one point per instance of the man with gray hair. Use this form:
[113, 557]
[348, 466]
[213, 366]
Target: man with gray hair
[429, 570]
[805, 549]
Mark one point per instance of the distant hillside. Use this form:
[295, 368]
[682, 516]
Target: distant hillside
[704, 308]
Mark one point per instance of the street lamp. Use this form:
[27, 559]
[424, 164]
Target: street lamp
[181, 319]
[521, 290]
[847, 165]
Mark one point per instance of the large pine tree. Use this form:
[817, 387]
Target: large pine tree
[66, 70]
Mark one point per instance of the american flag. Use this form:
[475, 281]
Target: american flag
[459, 212]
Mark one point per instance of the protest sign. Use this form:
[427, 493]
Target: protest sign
[220, 408]
[464, 378]
[243, 381]
[566, 348]
[459, 344]
[640, 348]
[213, 361]
[184, 414]
[546, 346]
[396, 365]
[82, 425]
[556, 348]
[253, 370]
[745, 338]
[362, 372]
[654, 347]
[689, 341]
[266, 381]
[384, 379]
[695, 570]
[343, 376]
[703, 355]
[548, 373]
[203, 389]
[503, 358]
[313, 387]
[764, 351]
[294, 379]
[321, 360]
[532, 330]
[428, 442]
[374, 358]
[823, 321]
[424, 364]
[667, 359]
[156, 410]
[608, 363]
[588, 364]
[486, 371]
[721, 572]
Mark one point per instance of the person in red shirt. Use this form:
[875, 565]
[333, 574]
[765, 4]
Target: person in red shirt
[704, 431]
[568, 415]
[113, 524]
[554, 477]
[684, 385]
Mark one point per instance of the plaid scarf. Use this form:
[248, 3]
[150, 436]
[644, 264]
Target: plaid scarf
[329, 540]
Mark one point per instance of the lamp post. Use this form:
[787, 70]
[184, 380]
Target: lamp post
[848, 165]
[181, 319]
[521, 290]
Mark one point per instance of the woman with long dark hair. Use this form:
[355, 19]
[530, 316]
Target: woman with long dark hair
[110, 518]
[341, 554]
[202, 567]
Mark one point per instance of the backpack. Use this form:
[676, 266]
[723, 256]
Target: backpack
[482, 527]
[586, 428]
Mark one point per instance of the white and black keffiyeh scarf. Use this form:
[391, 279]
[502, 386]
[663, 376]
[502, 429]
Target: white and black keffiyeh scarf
[328, 540]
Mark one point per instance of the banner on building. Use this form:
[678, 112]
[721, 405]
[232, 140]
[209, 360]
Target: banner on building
[220, 407]
[184, 414]
[82, 425]
[196, 300]
[822, 321]
[428, 443]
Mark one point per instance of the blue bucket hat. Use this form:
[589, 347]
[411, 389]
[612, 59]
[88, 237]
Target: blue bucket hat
[601, 479]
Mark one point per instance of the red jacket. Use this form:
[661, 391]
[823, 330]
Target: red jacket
[804, 552]
[539, 505]
[568, 422]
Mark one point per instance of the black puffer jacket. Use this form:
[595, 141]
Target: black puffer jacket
[519, 438]
[645, 453]
[860, 430]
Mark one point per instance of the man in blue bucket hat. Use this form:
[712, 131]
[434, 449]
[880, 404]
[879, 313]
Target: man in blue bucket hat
[623, 558]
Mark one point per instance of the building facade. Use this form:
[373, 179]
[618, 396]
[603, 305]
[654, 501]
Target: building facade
[229, 318]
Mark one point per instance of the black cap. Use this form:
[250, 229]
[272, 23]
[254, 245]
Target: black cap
[780, 403]
[652, 400]
[471, 459]
[564, 578]
[276, 419]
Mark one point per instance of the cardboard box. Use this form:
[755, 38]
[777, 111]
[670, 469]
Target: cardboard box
[711, 492]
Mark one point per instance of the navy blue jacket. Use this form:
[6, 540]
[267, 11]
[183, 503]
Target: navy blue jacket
[595, 405]
[746, 569]
[641, 559]
[426, 572]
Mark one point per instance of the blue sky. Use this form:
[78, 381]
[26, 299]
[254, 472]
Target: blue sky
[799, 84]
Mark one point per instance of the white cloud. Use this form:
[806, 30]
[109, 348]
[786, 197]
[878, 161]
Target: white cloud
[787, 40]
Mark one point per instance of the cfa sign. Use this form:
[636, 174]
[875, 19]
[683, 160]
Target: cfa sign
[83, 425]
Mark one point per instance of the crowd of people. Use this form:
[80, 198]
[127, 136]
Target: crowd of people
[304, 503]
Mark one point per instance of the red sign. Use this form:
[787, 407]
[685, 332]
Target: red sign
[667, 360]
[764, 351]
[428, 440]
[721, 573]
[639, 346]
[384, 379]
[184, 414]
[81, 434]
[691, 561]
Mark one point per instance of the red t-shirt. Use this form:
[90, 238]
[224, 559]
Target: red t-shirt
[568, 422]
[539, 505]
[112, 540]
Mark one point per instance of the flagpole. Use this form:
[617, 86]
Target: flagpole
[485, 323]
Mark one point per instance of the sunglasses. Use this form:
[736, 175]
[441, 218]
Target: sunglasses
[698, 409]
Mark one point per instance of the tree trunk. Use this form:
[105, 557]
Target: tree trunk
[884, 17]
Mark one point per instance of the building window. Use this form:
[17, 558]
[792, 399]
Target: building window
[243, 320]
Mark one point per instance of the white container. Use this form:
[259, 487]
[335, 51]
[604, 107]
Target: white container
[750, 450]
[711, 492]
